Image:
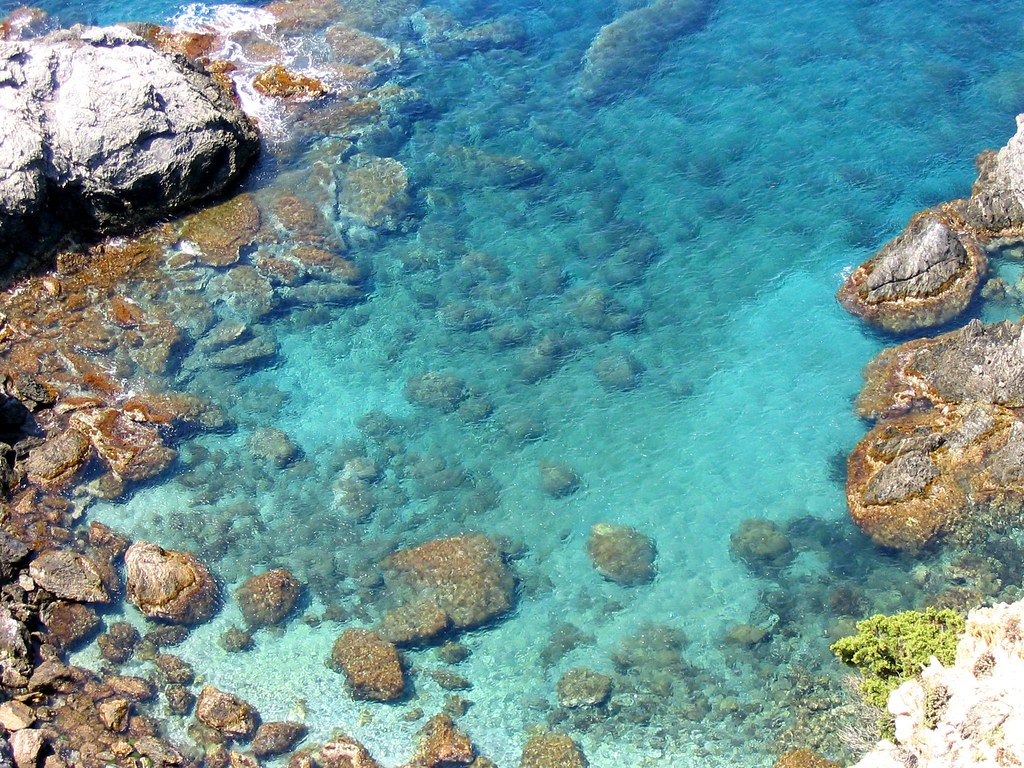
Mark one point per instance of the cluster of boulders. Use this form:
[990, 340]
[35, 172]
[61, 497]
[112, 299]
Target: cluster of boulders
[943, 457]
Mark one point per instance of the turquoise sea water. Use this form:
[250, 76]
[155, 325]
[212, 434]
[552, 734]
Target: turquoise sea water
[692, 230]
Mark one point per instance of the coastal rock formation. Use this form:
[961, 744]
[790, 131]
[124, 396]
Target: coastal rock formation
[946, 457]
[371, 665]
[464, 576]
[966, 714]
[626, 51]
[169, 585]
[925, 277]
[930, 273]
[100, 131]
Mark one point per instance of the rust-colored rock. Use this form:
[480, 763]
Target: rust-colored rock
[278, 82]
[552, 750]
[68, 624]
[923, 278]
[465, 576]
[268, 598]
[169, 585]
[133, 451]
[442, 745]
[55, 463]
[277, 738]
[370, 665]
[226, 713]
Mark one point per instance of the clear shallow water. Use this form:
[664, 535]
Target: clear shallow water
[769, 152]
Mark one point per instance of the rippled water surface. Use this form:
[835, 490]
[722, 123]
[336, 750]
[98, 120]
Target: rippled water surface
[643, 294]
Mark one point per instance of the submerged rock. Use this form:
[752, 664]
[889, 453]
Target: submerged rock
[621, 554]
[370, 664]
[169, 585]
[582, 687]
[373, 192]
[345, 752]
[925, 277]
[625, 52]
[226, 713]
[762, 545]
[100, 131]
[464, 576]
[268, 598]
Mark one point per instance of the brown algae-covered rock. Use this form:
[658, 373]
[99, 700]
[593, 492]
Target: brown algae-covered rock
[582, 687]
[370, 664]
[923, 278]
[268, 598]
[761, 544]
[621, 554]
[222, 230]
[443, 745]
[465, 576]
[415, 622]
[276, 738]
[169, 585]
[552, 750]
[624, 52]
[226, 713]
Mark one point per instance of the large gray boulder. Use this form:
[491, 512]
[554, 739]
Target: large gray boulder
[100, 132]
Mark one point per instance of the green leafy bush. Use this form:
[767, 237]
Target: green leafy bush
[890, 649]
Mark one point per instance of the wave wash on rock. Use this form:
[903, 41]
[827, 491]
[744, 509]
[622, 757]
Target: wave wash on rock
[100, 132]
[624, 53]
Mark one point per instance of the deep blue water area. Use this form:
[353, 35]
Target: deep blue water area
[638, 288]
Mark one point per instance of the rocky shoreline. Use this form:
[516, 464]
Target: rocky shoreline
[89, 349]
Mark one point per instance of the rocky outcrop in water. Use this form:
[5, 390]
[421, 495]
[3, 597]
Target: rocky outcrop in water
[966, 714]
[100, 131]
[625, 52]
[946, 457]
[930, 273]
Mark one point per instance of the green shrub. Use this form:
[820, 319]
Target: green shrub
[890, 649]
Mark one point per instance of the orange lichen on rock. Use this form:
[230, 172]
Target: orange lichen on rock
[465, 576]
[280, 83]
[922, 278]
